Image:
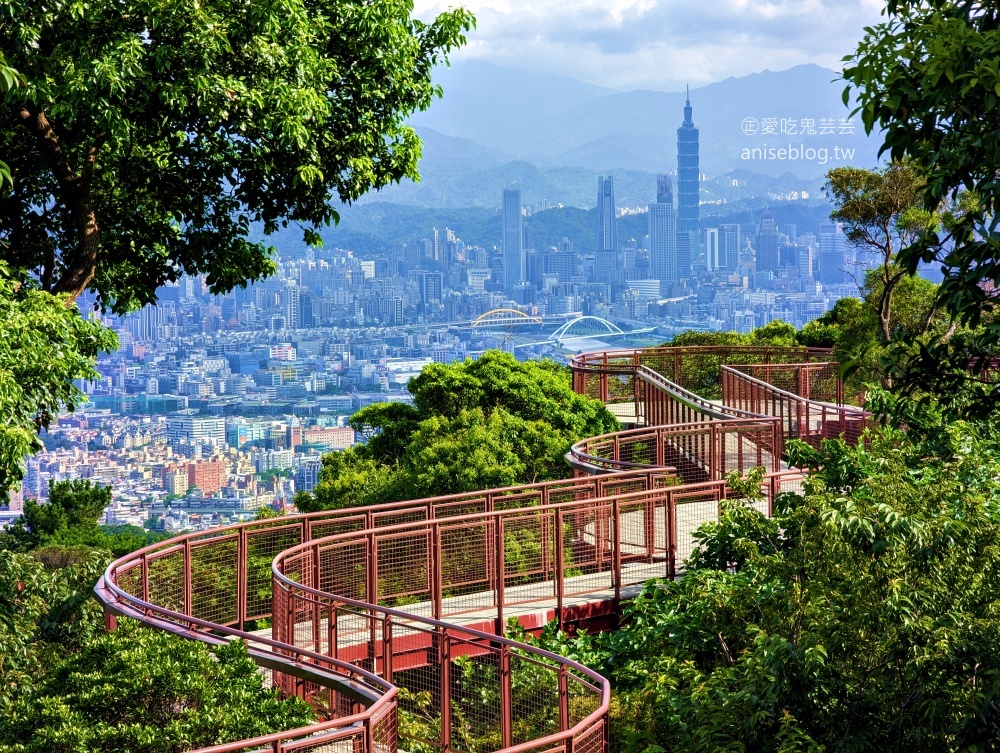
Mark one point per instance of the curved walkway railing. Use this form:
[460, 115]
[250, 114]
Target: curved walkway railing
[403, 606]
[801, 418]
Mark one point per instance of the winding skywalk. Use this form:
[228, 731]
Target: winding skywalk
[370, 611]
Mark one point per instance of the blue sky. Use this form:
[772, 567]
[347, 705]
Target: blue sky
[661, 44]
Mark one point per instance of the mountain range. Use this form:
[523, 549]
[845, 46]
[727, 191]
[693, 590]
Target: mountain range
[553, 135]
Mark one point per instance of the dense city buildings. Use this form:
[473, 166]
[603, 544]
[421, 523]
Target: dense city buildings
[215, 405]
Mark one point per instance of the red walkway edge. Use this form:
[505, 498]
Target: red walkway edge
[415, 595]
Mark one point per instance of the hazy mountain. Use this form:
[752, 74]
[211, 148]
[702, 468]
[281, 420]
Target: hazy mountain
[483, 102]
[553, 136]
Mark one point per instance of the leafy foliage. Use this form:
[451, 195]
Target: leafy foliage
[44, 347]
[474, 425]
[67, 686]
[67, 525]
[928, 78]
[150, 138]
[863, 617]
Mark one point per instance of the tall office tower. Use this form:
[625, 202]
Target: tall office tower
[514, 263]
[663, 235]
[291, 303]
[607, 227]
[687, 174]
[711, 240]
[431, 287]
[767, 244]
[832, 254]
[729, 247]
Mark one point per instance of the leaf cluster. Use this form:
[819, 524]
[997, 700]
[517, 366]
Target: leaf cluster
[863, 617]
[478, 424]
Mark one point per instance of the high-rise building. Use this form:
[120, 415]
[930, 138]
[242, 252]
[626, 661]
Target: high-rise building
[687, 175]
[663, 235]
[514, 264]
[431, 288]
[729, 247]
[832, 254]
[607, 226]
[711, 249]
[767, 244]
[291, 304]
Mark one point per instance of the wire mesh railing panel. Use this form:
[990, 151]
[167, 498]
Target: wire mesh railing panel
[476, 705]
[693, 509]
[534, 693]
[166, 579]
[214, 566]
[528, 557]
[417, 672]
[591, 740]
[262, 547]
[467, 553]
[343, 568]
[642, 541]
[404, 575]
[129, 578]
[588, 561]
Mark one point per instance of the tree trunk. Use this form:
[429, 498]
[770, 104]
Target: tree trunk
[80, 265]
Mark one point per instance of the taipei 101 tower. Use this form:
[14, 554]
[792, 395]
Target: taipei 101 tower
[687, 173]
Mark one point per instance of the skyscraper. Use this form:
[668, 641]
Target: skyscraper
[514, 264]
[607, 231]
[832, 254]
[767, 244]
[729, 247]
[687, 174]
[663, 235]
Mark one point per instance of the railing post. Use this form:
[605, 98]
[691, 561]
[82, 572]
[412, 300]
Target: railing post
[241, 578]
[387, 648]
[560, 568]
[498, 545]
[188, 595]
[436, 584]
[616, 549]
[506, 699]
[371, 575]
[444, 660]
[564, 724]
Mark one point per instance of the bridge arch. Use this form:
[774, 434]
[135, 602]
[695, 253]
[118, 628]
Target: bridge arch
[562, 333]
[504, 317]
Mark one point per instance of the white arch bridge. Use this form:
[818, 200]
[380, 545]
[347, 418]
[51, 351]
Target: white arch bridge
[585, 328]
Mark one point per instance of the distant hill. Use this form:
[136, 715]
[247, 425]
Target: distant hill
[379, 226]
[552, 136]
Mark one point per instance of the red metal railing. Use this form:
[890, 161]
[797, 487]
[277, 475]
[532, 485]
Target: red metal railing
[458, 581]
[814, 381]
[608, 375]
[801, 418]
[414, 595]
[207, 586]
[701, 451]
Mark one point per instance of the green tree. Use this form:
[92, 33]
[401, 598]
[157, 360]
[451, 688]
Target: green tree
[65, 529]
[882, 210]
[151, 139]
[44, 347]
[927, 78]
[68, 686]
[474, 425]
[861, 618]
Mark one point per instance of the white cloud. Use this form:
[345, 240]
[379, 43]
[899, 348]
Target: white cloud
[660, 44]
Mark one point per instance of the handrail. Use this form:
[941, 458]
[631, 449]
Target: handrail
[610, 531]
